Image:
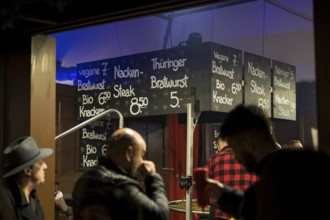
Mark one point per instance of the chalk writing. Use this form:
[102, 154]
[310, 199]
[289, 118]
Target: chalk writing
[158, 64]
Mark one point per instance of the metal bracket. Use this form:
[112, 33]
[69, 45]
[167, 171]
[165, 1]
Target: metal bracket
[185, 182]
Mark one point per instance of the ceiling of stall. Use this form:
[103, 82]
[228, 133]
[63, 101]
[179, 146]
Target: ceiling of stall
[42, 16]
[92, 30]
[278, 29]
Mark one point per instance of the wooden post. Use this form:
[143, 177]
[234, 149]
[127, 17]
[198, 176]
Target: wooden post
[42, 118]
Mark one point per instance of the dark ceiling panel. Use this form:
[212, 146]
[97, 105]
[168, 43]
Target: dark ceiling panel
[20, 17]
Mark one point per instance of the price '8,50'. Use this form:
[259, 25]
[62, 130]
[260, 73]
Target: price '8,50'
[137, 104]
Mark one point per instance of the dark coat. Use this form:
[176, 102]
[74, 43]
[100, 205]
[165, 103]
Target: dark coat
[25, 210]
[293, 184]
[152, 200]
[7, 204]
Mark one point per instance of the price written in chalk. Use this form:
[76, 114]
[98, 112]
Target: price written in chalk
[264, 104]
[104, 97]
[236, 88]
[137, 104]
[176, 100]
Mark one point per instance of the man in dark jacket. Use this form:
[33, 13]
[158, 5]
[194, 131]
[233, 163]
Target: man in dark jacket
[119, 168]
[291, 184]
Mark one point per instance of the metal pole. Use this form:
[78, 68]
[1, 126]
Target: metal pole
[121, 122]
[189, 164]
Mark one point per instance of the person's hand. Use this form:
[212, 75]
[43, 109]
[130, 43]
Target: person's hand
[58, 195]
[147, 168]
[214, 190]
[60, 203]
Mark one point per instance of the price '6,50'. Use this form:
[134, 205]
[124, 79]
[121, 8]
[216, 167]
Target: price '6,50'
[236, 88]
[137, 104]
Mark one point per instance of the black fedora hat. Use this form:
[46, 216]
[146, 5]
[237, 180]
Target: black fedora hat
[22, 153]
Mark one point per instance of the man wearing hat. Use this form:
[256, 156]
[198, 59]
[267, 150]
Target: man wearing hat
[24, 169]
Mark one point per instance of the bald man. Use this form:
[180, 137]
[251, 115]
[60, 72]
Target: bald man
[119, 168]
[293, 144]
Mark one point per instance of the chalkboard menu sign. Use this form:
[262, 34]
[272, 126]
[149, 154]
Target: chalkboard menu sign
[257, 81]
[226, 80]
[94, 141]
[137, 85]
[284, 95]
[161, 82]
